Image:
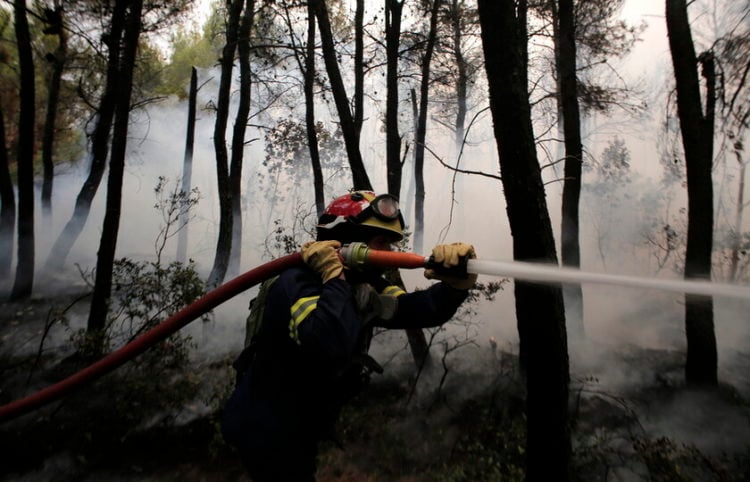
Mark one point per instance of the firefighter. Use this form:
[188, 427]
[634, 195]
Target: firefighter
[309, 355]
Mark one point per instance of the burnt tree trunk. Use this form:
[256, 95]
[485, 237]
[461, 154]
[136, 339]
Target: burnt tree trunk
[24, 280]
[697, 129]
[187, 165]
[393, 10]
[312, 133]
[462, 75]
[108, 243]
[238, 135]
[421, 133]
[539, 308]
[351, 140]
[99, 146]
[57, 60]
[359, 68]
[7, 206]
[568, 92]
[224, 243]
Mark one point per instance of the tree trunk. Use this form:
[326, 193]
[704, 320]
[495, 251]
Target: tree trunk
[359, 68]
[108, 243]
[351, 140]
[463, 78]
[238, 136]
[568, 92]
[7, 206]
[312, 133]
[393, 9]
[539, 308]
[25, 267]
[697, 140]
[224, 243]
[737, 244]
[53, 99]
[421, 136]
[99, 146]
[187, 167]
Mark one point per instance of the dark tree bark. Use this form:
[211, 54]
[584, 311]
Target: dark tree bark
[7, 206]
[570, 245]
[99, 145]
[238, 135]
[393, 10]
[108, 243]
[463, 77]
[351, 140]
[312, 133]
[359, 68]
[57, 59]
[539, 308]
[224, 243]
[187, 166]
[25, 161]
[697, 129]
[421, 134]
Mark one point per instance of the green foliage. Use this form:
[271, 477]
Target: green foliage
[189, 49]
[143, 294]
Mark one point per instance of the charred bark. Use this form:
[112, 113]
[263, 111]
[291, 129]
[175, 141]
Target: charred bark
[24, 280]
[351, 141]
[226, 218]
[539, 308]
[571, 114]
[99, 146]
[697, 127]
[421, 133]
[187, 165]
[462, 75]
[108, 243]
[312, 133]
[238, 135]
[57, 60]
[7, 206]
[393, 10]
[359, 68]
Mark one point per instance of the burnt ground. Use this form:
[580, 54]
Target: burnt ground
[633, 419]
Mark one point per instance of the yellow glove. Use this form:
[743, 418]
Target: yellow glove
[323, 258]
[449, 255]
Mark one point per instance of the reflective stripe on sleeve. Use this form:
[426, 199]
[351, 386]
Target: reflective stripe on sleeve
[393, 290]
[300, 310]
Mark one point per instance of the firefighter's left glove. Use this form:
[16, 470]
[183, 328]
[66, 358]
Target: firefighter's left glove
[448, 256]
[323, 257]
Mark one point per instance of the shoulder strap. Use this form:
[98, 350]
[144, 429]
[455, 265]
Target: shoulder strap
[257, 309]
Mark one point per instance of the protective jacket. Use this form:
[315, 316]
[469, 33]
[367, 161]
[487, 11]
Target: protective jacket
[306, 365]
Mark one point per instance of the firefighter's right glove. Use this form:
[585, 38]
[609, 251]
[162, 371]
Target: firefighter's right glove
[323, 257]
[450, 255]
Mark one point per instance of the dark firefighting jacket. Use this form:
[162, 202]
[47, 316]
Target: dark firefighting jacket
[304, 362]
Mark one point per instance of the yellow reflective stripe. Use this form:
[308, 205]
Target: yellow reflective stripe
[300, 310]
[393, 290]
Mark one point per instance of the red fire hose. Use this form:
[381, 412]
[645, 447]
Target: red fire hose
[354, 254]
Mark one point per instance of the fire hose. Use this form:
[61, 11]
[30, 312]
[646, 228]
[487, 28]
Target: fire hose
[355, 255]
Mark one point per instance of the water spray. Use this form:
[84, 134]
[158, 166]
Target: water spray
[355, 255]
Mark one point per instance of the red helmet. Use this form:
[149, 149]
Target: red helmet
[361, 214]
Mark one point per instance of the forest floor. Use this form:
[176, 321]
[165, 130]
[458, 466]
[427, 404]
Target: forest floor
[468, 426]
